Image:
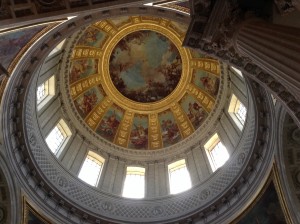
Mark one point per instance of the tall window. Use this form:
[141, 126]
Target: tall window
[91, 169]
[134, 185]
[179, 177]
[58, 137]
[45, 92]
[237, 111]
[216, 152]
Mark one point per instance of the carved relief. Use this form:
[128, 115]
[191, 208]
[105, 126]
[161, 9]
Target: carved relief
[204, 194]
[107, 206]
[158, 210]
[62, 181]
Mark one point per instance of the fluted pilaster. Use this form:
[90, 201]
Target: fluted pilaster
[274, 48]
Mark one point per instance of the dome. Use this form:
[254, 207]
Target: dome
[117, 91]
[132, 83]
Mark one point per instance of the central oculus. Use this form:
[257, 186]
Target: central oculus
[145, 66]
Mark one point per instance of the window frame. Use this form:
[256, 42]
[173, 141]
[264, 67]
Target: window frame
[237, 71]
[177, 166]
[211, 145]
[57, 48]
[96, 158]
[65, 131]
[50, 92]
[134, 170]
[233, 110]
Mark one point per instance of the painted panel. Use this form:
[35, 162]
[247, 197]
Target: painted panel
[197, 54]
[12, 42]
[267, 209]
[206, 81]
[83, 68]
[31, 216]
[88, 100]
[194, 110]
[139, 132]
[119, 21]
[92, 37]
[110, 123]
[169, 129]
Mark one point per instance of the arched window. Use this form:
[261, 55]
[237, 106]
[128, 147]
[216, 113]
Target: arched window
[45, 92]
[216, 152]
[58, 137]
[134, 184]
[179, 177]
[237, 111]
[90, 171]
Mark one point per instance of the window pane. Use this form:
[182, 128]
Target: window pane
[134, 185]
[55, 139]
[241, 113]
[91, 170]
[219, 155]
[41, 92]
[179, 177]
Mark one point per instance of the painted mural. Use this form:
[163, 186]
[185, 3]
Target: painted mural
[145, 67]
[34, 219]
[144, 73]
[139, 132]
[82, 68]
[119, 21]
[110, 122]
[194, 110]
[204, 80]
[169, 129]
[88, 100]
[92, 37]
[31, 216]
[12, 42]
[267, 210]
[197, 54]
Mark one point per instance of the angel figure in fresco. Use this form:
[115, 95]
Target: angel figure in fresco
[170, 130]
[210, 85]
[110, 124]
[88, 102]
[196, 113]
[78, 68]
[139, 137]
[90, 36]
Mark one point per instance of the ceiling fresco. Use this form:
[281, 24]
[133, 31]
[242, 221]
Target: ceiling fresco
[142, 72]
[132, 82]
[14, 41]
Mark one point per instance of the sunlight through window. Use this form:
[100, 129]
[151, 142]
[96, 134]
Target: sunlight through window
[42, 92]
[45, 92]
[237, 111]
[91, 169]
[216, 152]
[58, 136]
[179, 177]
[134, 185]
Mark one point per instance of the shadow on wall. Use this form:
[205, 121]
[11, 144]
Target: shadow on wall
[265, 210]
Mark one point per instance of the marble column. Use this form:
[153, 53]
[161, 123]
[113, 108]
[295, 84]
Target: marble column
[274, 48]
